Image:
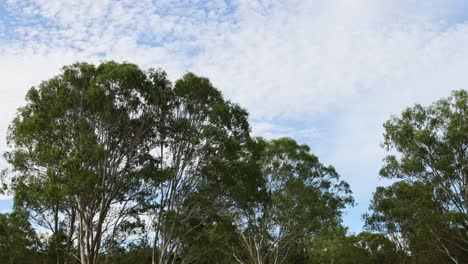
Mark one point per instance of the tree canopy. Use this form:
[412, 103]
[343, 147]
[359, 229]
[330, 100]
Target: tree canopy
[114, 164]
[426, 212]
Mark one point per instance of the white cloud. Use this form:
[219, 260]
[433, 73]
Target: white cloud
[305, 61]
[326, 72]
[270, 130]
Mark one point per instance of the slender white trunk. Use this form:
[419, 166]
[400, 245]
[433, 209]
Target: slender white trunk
[81, 242]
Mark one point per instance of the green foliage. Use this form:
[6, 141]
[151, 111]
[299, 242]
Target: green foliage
[426, 213]
[409, 215]
[432, 145]
[301, 195]
[134, 252]
[189, 163]
[332, 245]
[19, 242]
[77, 147]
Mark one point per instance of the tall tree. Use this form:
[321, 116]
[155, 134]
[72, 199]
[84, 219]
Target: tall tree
[431, 146]
[202, 139]
[231, 184]
[84, 133]
[302, 196]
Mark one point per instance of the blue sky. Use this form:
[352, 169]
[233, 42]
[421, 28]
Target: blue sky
[328, 73]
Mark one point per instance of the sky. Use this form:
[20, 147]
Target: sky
[327, 73]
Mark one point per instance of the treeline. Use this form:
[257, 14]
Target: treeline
[112, 164]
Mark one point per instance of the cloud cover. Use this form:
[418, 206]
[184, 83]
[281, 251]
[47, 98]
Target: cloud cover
[327, 73]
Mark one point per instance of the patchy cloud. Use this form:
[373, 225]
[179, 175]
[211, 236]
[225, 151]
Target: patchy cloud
[327, 73]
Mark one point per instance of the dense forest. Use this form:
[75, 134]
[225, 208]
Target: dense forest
[109, 164]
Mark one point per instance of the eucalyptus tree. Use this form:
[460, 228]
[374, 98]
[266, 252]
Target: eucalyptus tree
[99, 151]
[429, 148]
[303, 195]
[202, 143]
[230, 185]
[78, 146]
[408, 214]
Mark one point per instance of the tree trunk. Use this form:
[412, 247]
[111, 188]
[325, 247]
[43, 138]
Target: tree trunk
[70, 235]
[153, 253]
[56, 235]
[81, 242]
